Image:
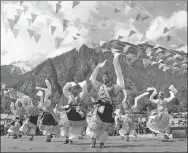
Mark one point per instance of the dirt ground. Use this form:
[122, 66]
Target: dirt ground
[114, 144]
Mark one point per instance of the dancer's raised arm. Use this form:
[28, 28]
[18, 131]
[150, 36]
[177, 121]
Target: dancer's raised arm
[153, 94]
[120, 80]
[84, 92]
[172, 94]
[124, 99]
[138, 97]
[12, 108]
[40, 88]
[93, 76]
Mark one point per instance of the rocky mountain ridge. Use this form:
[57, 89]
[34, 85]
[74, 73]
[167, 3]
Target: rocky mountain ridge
[78, 66]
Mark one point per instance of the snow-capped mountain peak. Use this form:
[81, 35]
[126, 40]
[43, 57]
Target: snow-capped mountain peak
[21, 66]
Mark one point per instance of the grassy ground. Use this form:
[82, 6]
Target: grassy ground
[114, 144]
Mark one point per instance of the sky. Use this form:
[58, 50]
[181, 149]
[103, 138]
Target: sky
[95, 21]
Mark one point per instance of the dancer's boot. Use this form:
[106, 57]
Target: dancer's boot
[93, 143]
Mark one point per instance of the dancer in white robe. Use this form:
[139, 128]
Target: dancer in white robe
[102, 121]
[49, 125]
[19, 112]
[159, 123]
[129, 118]
[30, 125]
[73, 120]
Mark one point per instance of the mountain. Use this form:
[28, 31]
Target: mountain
[78, 65]
[11, 74]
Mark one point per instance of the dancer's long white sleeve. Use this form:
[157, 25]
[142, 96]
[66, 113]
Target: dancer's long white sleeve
[172, 96]
[84, 89]
[119, 74]
[12, 108]
[96, 84]
[49, 87]
[138, 97]
[124, 99]
[152, 95]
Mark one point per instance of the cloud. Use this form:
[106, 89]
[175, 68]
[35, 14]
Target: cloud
[25, 48]
[177, 21]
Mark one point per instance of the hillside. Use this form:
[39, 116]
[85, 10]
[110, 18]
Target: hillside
[75, 65]
[12, 74]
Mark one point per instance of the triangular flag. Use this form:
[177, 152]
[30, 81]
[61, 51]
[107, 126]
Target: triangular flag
[37, 37]
[4, 14]
[19, 12]
[125, 49]
[58, 41]
[156, 46]
[6, 26]
[161, 65]
[65, 27]
[49, 21]
[25, 8]
[33, 16]
[102, 42]
[75, 3]
[145, 18]
[168, 38]
[120, 37]
[146, 62]
[166, 30]
[16, 17]
[59, 2]
[58, 7]
[160, 61]
[53, 28]
[11, 23]
[31, 32]
[165, 68]
[78, 34]
[65, 24]
[158, 50]
[74, 38]
[29, 22]
[104, 25]
[138, 17]
[21, 2]
[132, 32]
[116, 10]
[15, 32]
[152, 63]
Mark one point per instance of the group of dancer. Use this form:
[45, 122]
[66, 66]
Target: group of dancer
[70, 120]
